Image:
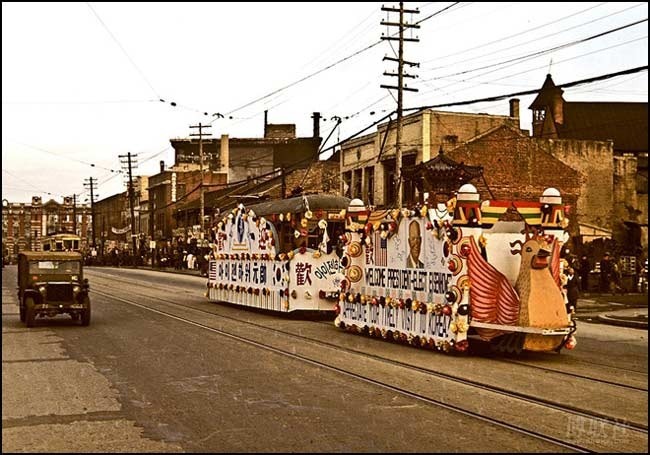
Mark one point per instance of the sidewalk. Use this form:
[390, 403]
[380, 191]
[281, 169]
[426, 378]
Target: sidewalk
[614, 313]
[632, 317]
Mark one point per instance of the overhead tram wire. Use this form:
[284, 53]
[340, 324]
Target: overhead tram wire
[573, 58]
[65, 156]
[534, 69]
[533, 91]
[528, 92]
[437, 12]
[296, 166]
[483, 55]
[123, 50]
[309, 76]
[544, 51]
[515, 34]
[40, 190]
[494, 98]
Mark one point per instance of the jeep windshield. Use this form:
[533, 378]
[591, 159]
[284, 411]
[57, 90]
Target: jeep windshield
[54, 267]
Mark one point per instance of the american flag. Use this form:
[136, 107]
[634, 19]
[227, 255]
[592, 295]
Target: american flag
[381, 250]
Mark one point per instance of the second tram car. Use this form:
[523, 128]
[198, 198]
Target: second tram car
[280, 255]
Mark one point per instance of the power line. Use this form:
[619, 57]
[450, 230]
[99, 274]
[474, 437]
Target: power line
[309, 76]
[537, 39]
[531, 92]
[547, 50]
[517, 34]
[123, 50]
[64, 156]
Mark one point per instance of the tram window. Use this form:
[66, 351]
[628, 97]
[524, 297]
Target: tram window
[313, 236]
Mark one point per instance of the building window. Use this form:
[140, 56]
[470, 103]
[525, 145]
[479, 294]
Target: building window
[538, 115]
[358, 189]
[369, 193]
[390, 186]
[408, 188]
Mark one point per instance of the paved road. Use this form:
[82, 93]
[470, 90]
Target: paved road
[140, 379]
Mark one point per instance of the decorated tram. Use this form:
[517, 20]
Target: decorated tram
[444, 277]
[454, 274]
[280, 255]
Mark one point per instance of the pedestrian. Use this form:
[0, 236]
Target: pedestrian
[605, 273]
[616, 281]
[584, 268]
[572, 290]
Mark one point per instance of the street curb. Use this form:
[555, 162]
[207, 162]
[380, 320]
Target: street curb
[623, 323]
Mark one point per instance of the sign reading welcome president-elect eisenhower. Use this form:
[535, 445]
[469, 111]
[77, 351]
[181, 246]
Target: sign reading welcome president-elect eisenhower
[409, 264]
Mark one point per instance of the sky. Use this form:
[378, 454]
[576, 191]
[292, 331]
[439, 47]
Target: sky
[83, 83]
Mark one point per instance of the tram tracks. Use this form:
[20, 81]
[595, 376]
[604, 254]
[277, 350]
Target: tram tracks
[569, 428]
[639, 382]
[573, 374]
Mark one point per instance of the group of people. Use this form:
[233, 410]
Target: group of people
[574, 283]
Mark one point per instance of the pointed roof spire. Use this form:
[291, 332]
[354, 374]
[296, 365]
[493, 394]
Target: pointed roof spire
[547, 94]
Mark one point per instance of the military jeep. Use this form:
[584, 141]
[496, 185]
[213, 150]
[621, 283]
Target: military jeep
[51, 283]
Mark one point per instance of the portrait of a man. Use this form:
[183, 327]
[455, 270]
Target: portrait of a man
[415, 246]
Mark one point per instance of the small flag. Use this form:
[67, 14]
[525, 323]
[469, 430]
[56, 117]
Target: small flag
[381, 250]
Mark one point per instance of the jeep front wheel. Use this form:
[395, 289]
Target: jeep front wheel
[30, 311]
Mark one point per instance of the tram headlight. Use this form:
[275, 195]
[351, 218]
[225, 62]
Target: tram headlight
[41, 289]
[76, 289]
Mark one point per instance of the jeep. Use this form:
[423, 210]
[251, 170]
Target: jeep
[52, 283]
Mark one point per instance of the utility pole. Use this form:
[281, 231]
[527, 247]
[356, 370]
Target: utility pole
[74, 214]
[91, 184]
[200, 126]
[131, 190]
[400, 84]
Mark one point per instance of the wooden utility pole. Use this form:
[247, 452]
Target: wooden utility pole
[74, 214]
[91, 184]
[134, 236]
[400, 84]
[200, 126]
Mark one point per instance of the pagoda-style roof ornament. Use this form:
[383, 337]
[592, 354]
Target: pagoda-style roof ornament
[441, 174]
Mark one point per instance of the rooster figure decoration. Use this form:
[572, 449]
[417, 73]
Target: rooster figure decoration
[535, 301]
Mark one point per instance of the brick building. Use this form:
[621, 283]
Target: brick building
[250, 158]
[113, 217]
[616, 176]
[269, 167]
[368, 172]
[169, 190]
[111, 222]
[518, 167]
[25, 224]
